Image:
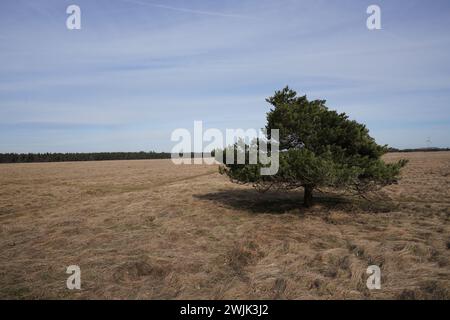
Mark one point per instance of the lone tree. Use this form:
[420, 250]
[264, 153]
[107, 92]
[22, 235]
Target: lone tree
[318, 148]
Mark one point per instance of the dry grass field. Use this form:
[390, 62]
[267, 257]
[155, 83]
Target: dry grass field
[148, 229]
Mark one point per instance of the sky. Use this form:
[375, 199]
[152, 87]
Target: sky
[137, 69]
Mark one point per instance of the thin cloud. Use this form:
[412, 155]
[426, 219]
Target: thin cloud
[208, 13]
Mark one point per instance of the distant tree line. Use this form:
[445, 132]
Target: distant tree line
[98, 156]
[93, 156]
[418, 150]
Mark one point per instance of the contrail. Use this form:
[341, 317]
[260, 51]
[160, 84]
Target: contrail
[208, 13]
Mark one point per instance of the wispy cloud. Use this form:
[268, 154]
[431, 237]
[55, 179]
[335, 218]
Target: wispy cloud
[186, 10]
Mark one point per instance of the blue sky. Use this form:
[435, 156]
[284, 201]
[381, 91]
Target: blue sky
[139, 69]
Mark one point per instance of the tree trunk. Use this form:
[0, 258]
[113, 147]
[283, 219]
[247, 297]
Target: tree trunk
[308, 196]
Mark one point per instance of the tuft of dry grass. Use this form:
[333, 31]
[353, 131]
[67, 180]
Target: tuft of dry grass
[148, 229]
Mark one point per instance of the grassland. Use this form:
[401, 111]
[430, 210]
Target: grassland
[148, 229]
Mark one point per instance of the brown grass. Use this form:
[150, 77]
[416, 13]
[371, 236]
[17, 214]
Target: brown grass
[153, 230]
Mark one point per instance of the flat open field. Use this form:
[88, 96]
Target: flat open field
[152, 230]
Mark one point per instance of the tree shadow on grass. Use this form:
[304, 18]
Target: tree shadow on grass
[273, 202]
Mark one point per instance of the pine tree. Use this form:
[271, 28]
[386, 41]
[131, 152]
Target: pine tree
[318, 148]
